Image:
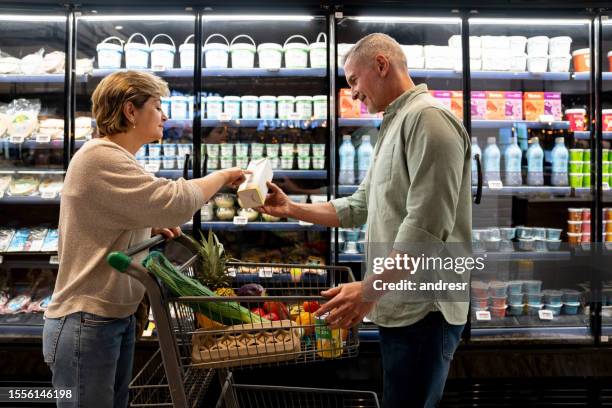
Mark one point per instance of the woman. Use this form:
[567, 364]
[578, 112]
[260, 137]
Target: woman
[108, 204]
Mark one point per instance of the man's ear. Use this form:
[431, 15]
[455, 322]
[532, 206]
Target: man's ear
[382, 65]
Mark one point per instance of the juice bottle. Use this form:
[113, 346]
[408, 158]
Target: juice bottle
[329, 341]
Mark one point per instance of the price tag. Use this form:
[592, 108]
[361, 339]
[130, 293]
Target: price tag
[305, 224]
[225, 117]
[547, 118]
[605, 339]
[231, 272]
[265, 272]
[48, 195]
[545, 314]
[152, 167]
[496, 185]
[295, 116]
[238, 220]
[338, 14]
[54, 260]
[273, 69]
[605, 186]
[16, 139]
[158, 68]
[43, 138]
[483, 316]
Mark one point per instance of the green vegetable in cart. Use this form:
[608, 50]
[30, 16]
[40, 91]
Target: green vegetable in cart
[180, 285]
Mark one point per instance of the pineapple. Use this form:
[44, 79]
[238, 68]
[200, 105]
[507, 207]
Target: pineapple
[210, 268]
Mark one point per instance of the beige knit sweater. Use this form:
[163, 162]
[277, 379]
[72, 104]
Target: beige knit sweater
[108, 204]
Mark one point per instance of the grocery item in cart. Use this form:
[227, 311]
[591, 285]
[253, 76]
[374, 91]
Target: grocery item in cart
[252, 193]
[54, 62]
[23, 186]
[6, 235]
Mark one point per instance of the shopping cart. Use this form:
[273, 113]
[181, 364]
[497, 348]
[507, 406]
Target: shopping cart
[193, 344]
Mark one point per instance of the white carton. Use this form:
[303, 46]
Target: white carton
[252, 193]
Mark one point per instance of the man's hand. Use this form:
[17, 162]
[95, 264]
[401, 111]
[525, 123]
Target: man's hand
[277, 203]
[346, 307]
[169, 233]
[234, 176]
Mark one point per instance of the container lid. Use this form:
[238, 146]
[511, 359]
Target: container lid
[303, 98]
[537, 38]
[249, 98]
[572, 303]
[576, 110]
[539, 306]
[319, 98]
[104, 45]
[561, 38]
[213, 46]
[214, 99]
[267, 98]
[231, 98]
[270, 46]
[285, 98]
[582, 51]
[163, 47]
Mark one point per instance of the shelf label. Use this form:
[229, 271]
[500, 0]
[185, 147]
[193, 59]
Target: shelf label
[152, 167]
[547, 118]
[605, 186]
[483, 316]
[48, 195]
[43, 138]
[605, 339]
[273, 69]
[158, 68]
[295, 116]
[54, 260]
[495, 185]
[238, 220]
[231, 272]
[265, 272]
[545, 314]
[16, 139]
[225, 117]
[305, 224]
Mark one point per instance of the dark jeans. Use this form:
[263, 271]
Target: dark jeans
[92, 355]
[416, 360]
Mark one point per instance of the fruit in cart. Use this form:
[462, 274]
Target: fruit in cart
[211, 267]
[251, 289]
[271, 316]
[278, 308]
[225, 292]
[259, 311]
[294, 311]
[306, 321]
[296, 274]
[206, 323]
[311, 306]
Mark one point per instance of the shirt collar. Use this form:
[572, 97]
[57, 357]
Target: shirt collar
[405, 97]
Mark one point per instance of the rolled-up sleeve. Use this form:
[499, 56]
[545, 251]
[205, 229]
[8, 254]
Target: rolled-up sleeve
[352, 211]
[435, 154]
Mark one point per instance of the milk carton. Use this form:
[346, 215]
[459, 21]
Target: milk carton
[252, 193]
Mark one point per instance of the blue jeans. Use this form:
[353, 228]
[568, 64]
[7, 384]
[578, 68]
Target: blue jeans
[415, 361]
[93, 355]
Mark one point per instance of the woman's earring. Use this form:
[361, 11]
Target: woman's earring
[134, 125]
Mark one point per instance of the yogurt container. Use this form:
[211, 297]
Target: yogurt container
[533, 310]
[304, 162]
[213, 163]
[570, 296]
[166, 105]
[559, 63]
[155, 150]
[287, 149]
[555, 309]
[216, 53]
[571, 308]
[213, 150]
[231, 106]
[162, 55]
[267, 107]
[183, 149]
[537, 46]
[320, 106]
[516, 309]
[242, 149]
[214, 107]
[515, 298]
[186, 53]
[169, 162]
[303, 149]
[257, 149]
[515, 287]
[270, 55]
[537, 64]
[227, 162]
[227, 149]
[517, 44]
[582, 60]
[498, 312]
[243, 53]
[318, 52]
[296, 53]
[242, 161]
[272, 150]
[303, 106]
[170, 149]
[250, 107]
[274, 162]
[109, 54]
[318, 150]
[497, 288]
[524, 232]
[179, 106]
[285, 106]
[534, 298]
[552, 297]
[559, 46]
[287, 162]
[532, 286]
[137, 54]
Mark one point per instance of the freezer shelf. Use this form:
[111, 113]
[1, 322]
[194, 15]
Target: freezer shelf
[260, 226]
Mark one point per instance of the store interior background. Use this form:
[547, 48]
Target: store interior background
[504, 362]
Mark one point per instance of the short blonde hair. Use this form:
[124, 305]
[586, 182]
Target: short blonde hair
[118, 88]
[377, 43]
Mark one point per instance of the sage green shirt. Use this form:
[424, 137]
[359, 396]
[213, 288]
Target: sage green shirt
[417, 190]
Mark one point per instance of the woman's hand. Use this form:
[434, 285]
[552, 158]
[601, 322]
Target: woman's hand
[169, 233]
[234, 176]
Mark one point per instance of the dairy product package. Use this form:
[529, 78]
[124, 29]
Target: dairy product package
[533, 105]
[495, 106]
[478, 105]
[444, 97]
[513, 105]
[51, 241]
[6, 236]
[552, 105]
[35, 239]
[252, 193]
[349, 108]
[19, 240]
[457, 104]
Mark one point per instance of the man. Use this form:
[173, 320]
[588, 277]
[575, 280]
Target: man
[417, 191]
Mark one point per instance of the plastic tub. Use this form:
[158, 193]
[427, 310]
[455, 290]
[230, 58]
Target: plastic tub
[515, 298]
[231, 106]
[516, 309]
[492, 244]
[559, 46]
[518, 63]
[499, 301]
[539, 233]
[304, 163]
[270, 55]
[533, 310]
[552, 297]
[287, 149]
[553, 244]
[576, 118]
[162, 55]
[286, 106]
[257, 149]
[169, 162]
[242, 149]
[526, 244]
[243, 54]
[287, 162]
[320, 106]
[296, 53]
[480, 289]
[498, 312]
[214, 107]
[227, 149]
[318, 162]
[540, 245]
[480, 302]
[318, 52]
[109, 54]
[570, 295]
[574, 238]
[267, 107]
[575, 214]
[537, 64]
[553, 233]
[537, 46]
[213, 163]
[515, 287]
[533, 298]
[574, 227]
[555, 309]
[517, 44]
[179, 107]
[137, 54]
[559, 63]
[495, 41]
[249, 107]
[155, 150]
[272, 150]
[582, 60]
[532, 286]
[213, 150]
[303, 106]
[498, 288]
[274, 162]
[215, 54]
[227, 162]
[242, 161]
[318, 150]
[494, 233]
[303, 149]
[170, 149]
[571, 308]
[524, 232]
[186, 53]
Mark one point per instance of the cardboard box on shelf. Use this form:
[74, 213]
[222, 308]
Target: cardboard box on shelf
[495, 106]
[552, 105]
[349, 108]
[478, 105]
[533, 105]
[457, 104]
[513, 105]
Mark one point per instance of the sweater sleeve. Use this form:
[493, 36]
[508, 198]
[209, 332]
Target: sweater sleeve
[121, 195]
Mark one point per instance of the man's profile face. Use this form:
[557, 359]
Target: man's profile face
[363, 80]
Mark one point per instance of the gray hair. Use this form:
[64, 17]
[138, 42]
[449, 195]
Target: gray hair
[377, 43]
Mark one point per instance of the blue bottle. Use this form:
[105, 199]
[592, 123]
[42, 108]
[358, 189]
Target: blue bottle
[535, 163]
[492, 158]
[347, 162]
[475, 151]
[512, 164]
[364, 157]
[560, 162]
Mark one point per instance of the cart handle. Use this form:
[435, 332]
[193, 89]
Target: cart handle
[121, 260]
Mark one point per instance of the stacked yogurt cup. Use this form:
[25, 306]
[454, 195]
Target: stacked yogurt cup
[166, 156]
[507, 239]
[352, 240]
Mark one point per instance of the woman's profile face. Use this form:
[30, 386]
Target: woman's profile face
[150, 120]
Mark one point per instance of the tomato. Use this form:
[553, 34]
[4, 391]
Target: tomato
[258, 311]
[271, 316]
[311, 306]
[277, 307]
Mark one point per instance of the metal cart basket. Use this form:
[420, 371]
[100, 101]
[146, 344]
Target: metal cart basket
[193, 340]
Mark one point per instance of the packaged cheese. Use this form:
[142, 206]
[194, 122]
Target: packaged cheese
[54, 62]
[513, 106]
[478, 105]
[533, 105]
[457, 104]
[252, 193]
[495, 106]
[349, 108]
[552, 105]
